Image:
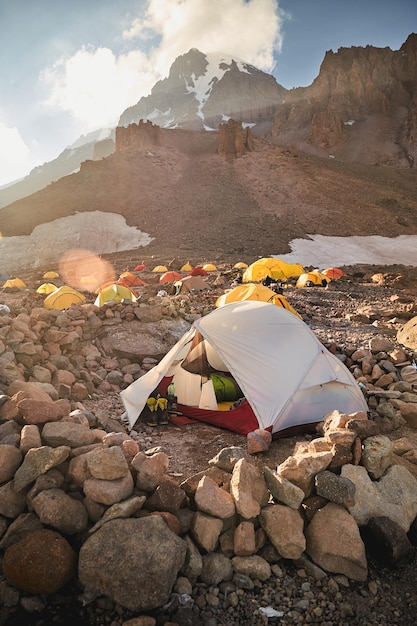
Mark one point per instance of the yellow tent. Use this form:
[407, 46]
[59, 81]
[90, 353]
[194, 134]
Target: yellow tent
[63, 298]
[51, 275]
[160, 268]
[114, 293]
[255, 291]
[209, 267]
[46, 288]
[269, 266]
[310, 279]
[240, 266]
[14, 283]
[187, 267]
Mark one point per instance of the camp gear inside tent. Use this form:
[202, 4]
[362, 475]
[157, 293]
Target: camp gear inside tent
[209, 267]
[46, 288]
[334, 273]
[270, 266]
[312, 279]
[190, 283]
[170, 277]
[49, 275]
[286, 375]
[160, 268]
[254, 291]
[114, 293]
[63, 298]
[14, 284]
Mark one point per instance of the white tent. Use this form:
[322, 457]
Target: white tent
[287, 376]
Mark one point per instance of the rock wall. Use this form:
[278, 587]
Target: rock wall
[234, 140]
[141, 135]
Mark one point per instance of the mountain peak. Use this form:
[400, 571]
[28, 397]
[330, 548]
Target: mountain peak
[203, 90]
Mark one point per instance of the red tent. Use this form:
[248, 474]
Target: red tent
[198, 271]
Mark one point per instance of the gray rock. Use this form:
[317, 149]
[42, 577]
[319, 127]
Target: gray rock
[134, 561]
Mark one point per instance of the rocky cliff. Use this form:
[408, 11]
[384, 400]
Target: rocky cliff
[361, 107]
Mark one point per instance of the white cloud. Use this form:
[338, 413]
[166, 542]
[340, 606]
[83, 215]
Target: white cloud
[250, 29]
[14, 154]
[95, 85]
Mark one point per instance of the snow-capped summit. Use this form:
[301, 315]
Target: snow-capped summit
[203, 90]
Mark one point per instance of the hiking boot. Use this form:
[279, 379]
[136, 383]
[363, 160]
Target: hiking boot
[149, 413]
[162, 412]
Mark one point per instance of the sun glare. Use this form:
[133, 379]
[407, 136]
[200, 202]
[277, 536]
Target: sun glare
[84, 270]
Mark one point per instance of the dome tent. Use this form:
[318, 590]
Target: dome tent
[311, 279]
[254, 291]
[333, 272]
[114, 293]
[170, 277]
[290, 379]
[270, 266]
[46, 288]
[14, 284]
[63, 298]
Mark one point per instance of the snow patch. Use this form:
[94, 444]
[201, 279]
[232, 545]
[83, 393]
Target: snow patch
[96, 231]
[322, 251]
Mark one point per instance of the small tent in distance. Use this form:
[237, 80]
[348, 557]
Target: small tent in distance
[311, 279]
[272, 267]
[334, 273]
[46, 288]
[290, 379]
[114, 293]
[190, 283]
[63, 298]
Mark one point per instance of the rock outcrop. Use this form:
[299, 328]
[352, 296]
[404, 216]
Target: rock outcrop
[361, 107]
[234, 140]
[141, 135]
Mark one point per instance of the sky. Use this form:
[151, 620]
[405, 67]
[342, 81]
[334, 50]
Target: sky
[69, 67]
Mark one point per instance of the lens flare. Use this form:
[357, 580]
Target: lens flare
[84, 270]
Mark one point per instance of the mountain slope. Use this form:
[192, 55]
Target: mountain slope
[188, 197]
[95, 145]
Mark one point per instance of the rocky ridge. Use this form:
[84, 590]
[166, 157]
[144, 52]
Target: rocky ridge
[75, 484]
[361, 107]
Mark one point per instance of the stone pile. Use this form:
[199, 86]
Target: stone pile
[80, 499]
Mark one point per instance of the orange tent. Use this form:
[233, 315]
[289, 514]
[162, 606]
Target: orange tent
[139, 267]
[334, 273]
[170, 277]
[130, 280]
